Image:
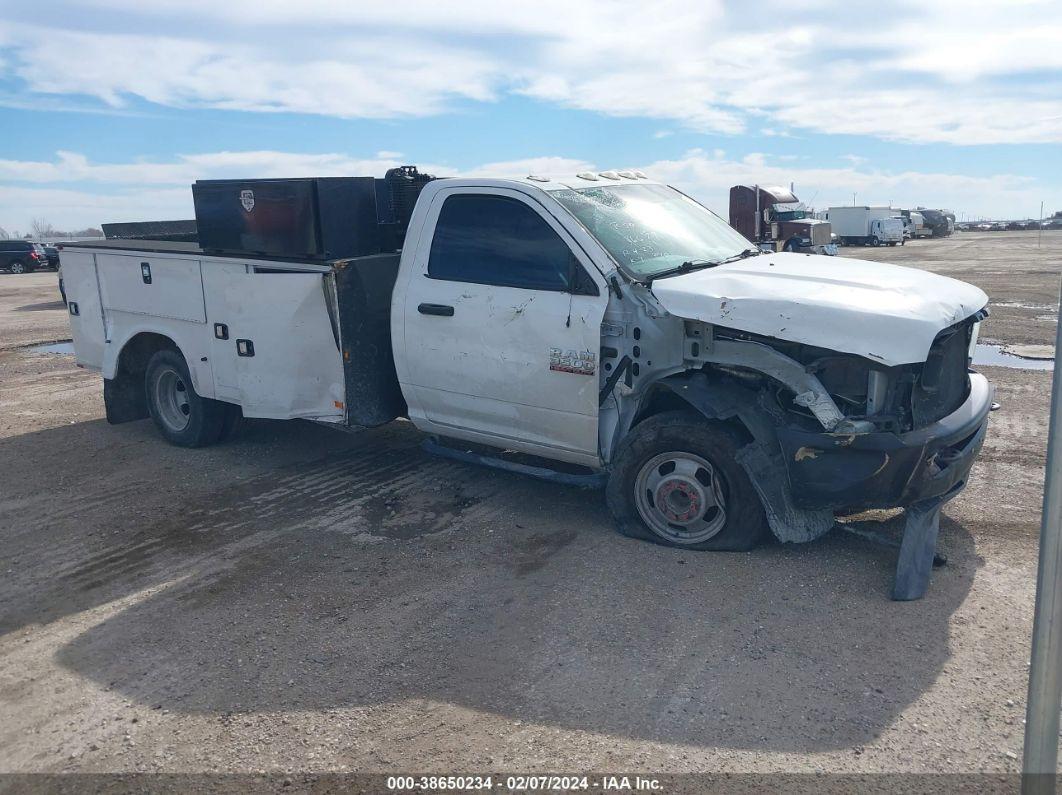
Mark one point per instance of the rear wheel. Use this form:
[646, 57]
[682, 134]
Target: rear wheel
[18, 266]
[675, 481]
[182, 417]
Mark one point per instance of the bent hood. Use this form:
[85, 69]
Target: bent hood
[887, 313]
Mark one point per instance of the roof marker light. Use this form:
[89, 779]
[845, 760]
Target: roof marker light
[587, 175]
[640, 175]
[627, 174]
[536, 178]
[609, 174]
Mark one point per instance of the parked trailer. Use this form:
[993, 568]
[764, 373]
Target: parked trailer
[722, 394]
[941, 223]
[915, 224]
[866, 226]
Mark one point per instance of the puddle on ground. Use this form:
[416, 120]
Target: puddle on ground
[1021, 305]
[995, 356]
[54, 347]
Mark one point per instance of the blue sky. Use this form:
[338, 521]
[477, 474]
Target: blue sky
[109, 109]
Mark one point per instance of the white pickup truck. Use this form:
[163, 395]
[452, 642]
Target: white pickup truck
[604, 320]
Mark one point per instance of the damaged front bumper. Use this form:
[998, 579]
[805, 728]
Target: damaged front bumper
[855, 472]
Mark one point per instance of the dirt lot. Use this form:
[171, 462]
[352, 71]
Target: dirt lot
[305, 600]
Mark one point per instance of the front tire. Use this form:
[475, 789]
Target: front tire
[182, 417]
[675, 481]
[875, 242]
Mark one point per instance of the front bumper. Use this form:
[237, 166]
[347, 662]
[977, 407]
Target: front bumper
[887, 470]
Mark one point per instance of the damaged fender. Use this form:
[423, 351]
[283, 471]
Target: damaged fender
[761, 459]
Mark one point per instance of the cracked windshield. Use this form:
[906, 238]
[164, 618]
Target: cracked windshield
[649, 229]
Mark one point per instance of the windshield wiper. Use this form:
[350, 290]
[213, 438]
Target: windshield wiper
[749, 252]
[698, 264]
[685, 267]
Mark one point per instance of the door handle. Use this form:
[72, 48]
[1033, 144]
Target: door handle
[436, 309]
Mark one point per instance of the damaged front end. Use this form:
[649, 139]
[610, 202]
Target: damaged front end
[907, 433]
[839, 433]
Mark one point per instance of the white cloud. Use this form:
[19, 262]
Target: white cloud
[539, 166]
[71, 167]
[709, 178]
[160, 190]
[945, 71]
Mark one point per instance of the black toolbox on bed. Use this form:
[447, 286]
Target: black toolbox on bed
[317, 217]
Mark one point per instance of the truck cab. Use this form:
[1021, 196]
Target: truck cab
[559, 317]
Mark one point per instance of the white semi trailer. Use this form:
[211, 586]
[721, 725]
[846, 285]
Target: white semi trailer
[866, 226]
[603, 320]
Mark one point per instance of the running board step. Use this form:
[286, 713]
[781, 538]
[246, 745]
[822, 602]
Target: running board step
[595, 480]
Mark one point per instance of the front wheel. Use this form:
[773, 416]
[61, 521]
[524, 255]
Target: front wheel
[675, 481]
[874, 241]
[182, 417]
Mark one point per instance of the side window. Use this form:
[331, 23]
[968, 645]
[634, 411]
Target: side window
[497, 240]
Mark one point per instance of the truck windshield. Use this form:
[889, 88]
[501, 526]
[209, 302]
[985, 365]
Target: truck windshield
[649, 229]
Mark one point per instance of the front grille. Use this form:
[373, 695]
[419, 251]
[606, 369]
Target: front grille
[944, 383]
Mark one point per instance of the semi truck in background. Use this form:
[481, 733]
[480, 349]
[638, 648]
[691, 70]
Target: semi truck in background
[601, 320]
[774, 218]
[867, 226]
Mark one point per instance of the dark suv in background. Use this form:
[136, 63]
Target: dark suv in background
[22, 256]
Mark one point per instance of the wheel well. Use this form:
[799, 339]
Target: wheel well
[138, 351]
[663, 399]
[124, 395]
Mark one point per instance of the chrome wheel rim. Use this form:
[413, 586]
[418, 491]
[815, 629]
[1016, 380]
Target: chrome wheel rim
[17, 267]
[680, 497]
[173, 400]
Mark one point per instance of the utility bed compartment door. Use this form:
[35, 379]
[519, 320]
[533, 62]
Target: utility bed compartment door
[156, 286]
[279, 357]
[86, 315]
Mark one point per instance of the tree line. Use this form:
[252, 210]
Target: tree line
[42, 231]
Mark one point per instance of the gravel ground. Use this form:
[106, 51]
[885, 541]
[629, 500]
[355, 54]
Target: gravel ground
[306, 600]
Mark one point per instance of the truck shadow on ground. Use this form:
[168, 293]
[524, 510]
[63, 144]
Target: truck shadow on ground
[41, 307]
[379, 574]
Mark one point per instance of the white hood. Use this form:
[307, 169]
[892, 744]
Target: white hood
[884, 312]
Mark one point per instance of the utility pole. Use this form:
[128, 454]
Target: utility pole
[1040, 234]
[1040, 764]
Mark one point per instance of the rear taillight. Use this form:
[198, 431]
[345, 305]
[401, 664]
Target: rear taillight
[35, 255]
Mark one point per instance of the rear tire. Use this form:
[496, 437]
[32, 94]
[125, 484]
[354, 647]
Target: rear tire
[182, 417]
[675, 481]
[18, 267]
